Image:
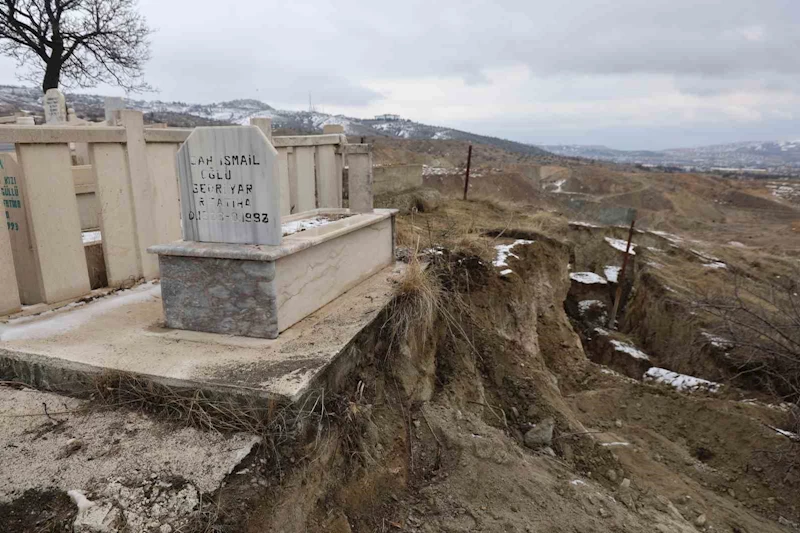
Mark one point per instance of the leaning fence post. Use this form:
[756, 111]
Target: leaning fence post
[621, 279]
[466, 177]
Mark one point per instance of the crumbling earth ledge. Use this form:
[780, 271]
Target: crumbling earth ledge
[129, 338]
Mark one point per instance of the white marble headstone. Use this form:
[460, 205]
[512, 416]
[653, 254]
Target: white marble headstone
[111, 104]
[55, 107]
[229, 186]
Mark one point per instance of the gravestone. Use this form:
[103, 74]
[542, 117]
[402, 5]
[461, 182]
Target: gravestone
[55, 107]
[111, 104]
[15, 219]
[229, 186]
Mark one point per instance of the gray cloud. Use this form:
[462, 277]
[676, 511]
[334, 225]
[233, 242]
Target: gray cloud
[569, 69]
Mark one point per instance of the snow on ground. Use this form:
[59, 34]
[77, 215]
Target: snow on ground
[290, 228]
[504, 252]
[717, 341]
[715, 265]
[438, 171]
[681, 382]
[583, 224]
[558, 186]
[629, 349]
[91, 236]
[671, 237]
[589, 278]
[61, 321]
[785, 433]
[585, 305]
[612, 273]
[619, 244]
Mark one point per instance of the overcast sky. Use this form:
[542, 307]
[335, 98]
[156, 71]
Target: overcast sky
[624, 73]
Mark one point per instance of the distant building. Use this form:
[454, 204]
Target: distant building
[388, 117]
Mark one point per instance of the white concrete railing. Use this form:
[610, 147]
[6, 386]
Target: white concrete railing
[134, 178]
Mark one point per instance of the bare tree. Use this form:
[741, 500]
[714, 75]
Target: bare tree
[77, 43]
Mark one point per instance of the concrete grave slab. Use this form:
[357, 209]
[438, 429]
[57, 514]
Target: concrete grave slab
[259, 291]
[125, 332]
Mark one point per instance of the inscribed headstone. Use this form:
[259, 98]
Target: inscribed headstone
[14, 217]
[229, 186]
[112, 103]
[9, 293]
[55, 107]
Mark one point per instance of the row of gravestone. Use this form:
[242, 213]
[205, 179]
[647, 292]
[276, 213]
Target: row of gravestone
[56, 112]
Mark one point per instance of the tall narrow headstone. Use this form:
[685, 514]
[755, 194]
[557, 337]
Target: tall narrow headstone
[9, 293]
[16, 221]
[113, 103]
[55, 107]
[229, 186]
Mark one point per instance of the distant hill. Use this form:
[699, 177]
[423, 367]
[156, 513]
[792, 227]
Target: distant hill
[182, 114]
[770, 157]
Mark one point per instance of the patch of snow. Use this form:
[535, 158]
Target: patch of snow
[705, 256]
[576, 482]
[619, 244]
[290, 228]
[614, 444]
[62, 322]
[715, 265]
[736, 244]
[717, 341]
[433, 251]
[612, 273]
[80, 499]
[674, 239]
[585, 305]
[91, 236]
[438, 171]
[583, 224]
[624, 347]
[654, 249]
[787, 434]
[506, 272]
[601, 331]
[589, 278]
[504, 252]
[680, 382]
[558, 186]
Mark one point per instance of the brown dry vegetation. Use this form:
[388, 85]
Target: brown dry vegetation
[427, 435]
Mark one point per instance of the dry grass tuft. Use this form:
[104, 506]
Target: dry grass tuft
[417, 298]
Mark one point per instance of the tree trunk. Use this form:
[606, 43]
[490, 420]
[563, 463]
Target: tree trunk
[52, 74]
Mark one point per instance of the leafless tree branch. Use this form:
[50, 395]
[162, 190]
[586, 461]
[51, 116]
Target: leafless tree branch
[76, 43]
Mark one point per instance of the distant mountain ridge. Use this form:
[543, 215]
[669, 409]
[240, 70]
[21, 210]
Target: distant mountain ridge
[778, 157]
[13, 98]
[772, 157]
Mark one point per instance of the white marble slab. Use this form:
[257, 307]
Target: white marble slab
[229, 186]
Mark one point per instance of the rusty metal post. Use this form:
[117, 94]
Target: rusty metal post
[621, 278]
[466, 179]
